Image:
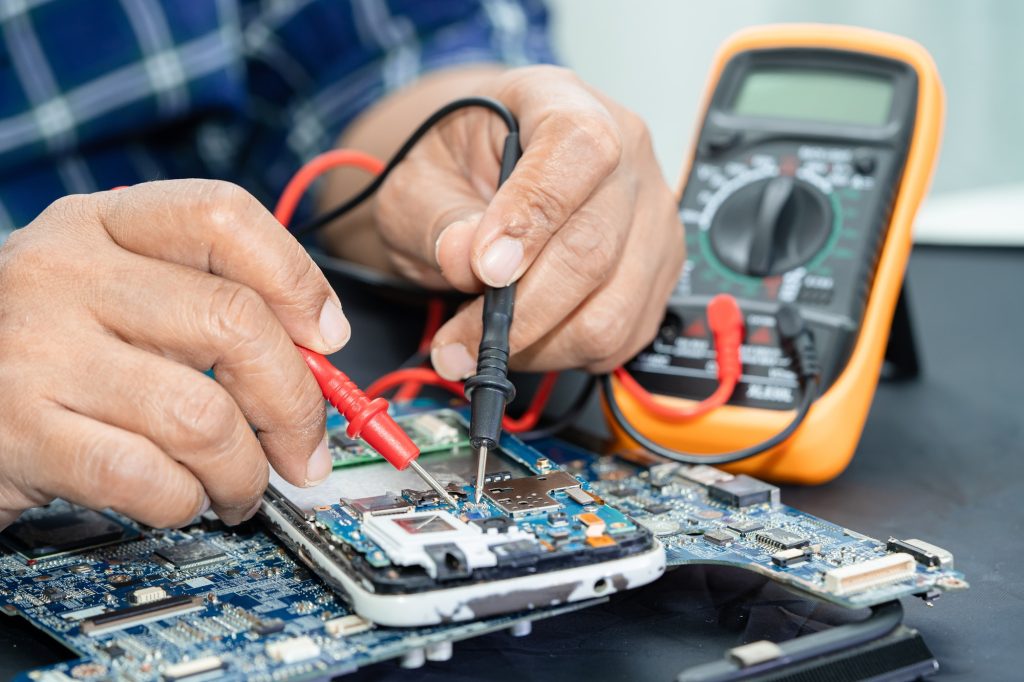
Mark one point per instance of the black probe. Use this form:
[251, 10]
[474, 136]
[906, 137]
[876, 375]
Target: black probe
[489, 391]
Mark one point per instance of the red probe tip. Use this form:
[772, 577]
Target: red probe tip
[367, 419]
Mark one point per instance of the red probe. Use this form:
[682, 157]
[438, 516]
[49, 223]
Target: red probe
[367, 419]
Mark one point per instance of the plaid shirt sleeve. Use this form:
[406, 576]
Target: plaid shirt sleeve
[100, 93]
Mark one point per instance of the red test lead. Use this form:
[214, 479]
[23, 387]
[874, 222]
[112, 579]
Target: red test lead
[369, 419]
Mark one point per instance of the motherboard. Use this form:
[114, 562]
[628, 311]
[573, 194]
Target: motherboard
[403, 556]
[204, 602]
[704, 515]
[211, 602]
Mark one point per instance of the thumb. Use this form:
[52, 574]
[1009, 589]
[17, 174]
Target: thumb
[428, 212]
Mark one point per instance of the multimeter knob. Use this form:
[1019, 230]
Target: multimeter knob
[771, 226]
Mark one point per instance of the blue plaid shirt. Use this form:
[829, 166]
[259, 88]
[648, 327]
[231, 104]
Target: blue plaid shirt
[100, 93]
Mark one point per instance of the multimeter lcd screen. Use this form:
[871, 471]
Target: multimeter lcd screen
[815, 95]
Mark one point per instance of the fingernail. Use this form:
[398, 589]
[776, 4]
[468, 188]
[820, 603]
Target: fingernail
[455, 228]
[319, 466]
[252, 512]
[453, 361]
[440, 238]
[501, 261]
[334, 328]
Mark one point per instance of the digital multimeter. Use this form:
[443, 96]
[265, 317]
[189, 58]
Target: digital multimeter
[815, 150]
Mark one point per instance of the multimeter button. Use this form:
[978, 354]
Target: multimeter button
[814, 296]
[718, 141]
[864, 162]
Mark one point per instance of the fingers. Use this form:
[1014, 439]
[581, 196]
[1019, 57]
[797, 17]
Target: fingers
[219, 228]
[101, 466]
[427, 202]
[577, 260]
[184, 413]
[571, 144]
[563, 319]
[623, 315]
[208, 322]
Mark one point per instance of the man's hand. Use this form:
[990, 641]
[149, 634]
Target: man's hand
[585, 224]
[111, 307]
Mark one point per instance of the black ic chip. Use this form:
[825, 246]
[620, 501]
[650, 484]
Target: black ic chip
[61, 527]
[743, 491]
[745, 527]
[782, 539]
[190, 554]
[719, 537]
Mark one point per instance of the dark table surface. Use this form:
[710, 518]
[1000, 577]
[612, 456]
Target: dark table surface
[941, 459]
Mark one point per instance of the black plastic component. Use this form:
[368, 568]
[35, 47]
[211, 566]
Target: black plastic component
[744, 527]
[785, 559]
[771, 226]
[141, 610]
[921, 556]
[489, 391]
[743, 491]
[902, 360]
[420, 497]
[797, 340]
[782, 539]
[268, 627]
[719, 537]
[54, 529]
[190, 554]
[450, 561]
[516, 554]
[878, 649]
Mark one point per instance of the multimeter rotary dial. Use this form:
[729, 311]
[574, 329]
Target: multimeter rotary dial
[770, 225]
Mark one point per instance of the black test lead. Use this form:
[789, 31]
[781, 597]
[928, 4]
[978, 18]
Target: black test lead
[489, 391]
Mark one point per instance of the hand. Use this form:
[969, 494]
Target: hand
[111, 307]
[585, 224]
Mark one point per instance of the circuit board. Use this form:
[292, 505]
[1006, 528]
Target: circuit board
[704, 515]
[194, 604]
[432, 432]
[369, 524]
[209, 602]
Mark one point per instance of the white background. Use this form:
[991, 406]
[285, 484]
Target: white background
[653, 56]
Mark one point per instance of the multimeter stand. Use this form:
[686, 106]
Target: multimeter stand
[902, 360]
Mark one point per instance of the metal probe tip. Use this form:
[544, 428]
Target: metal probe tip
[481, 472]
[433, 483]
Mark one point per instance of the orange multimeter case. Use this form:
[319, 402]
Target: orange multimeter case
[816, 147]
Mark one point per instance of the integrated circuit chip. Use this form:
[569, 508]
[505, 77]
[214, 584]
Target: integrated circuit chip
[743, 491]
[719, 537]
[190, 554]
[745, 527]
[782, 539]
[60, 528]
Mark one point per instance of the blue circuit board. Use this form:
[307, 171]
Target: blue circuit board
[235, 606]
[210, 602]
[703, 515]
[541, 518]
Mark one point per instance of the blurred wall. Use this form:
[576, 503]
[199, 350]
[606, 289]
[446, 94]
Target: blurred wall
[653, 55]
